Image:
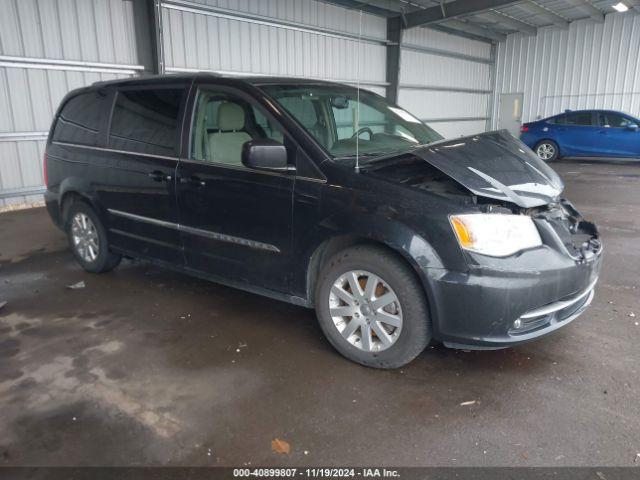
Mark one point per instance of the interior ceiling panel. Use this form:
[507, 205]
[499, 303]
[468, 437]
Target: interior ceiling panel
[516, 11]
[534, 13]
[564, 9]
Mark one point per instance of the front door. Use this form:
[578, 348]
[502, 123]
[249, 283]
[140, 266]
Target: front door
[235, 221]
[615, 136]
[510, 114]
[137, 185]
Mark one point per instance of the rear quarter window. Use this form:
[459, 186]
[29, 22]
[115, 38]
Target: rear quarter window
[146, 121]
[81, 119]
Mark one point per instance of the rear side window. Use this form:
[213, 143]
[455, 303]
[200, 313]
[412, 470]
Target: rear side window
[146, 121]
[583, 118]
[81, 118]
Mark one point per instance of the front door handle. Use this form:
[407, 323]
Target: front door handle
[193, 180]
[159, 176]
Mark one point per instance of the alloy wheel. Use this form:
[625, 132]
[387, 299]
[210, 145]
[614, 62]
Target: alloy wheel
[85, 237]
[365, 310]
[545, 151]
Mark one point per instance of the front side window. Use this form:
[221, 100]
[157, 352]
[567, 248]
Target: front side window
[581, 118]
[223, 123]
[81, 119]
[146, 121]
[345, 122]
[613, 120]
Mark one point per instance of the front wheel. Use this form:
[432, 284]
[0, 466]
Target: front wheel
[547, 150]
[372, 308]
[88, 240]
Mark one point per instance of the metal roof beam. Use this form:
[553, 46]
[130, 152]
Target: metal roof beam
[474, 30]
[508, 22]
[535, 9]
[383, 8]
[452, 9]
[458, 33]
[587, 8]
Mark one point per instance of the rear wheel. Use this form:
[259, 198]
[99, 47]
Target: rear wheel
[88, 239]
[547, 150]
[372, 308]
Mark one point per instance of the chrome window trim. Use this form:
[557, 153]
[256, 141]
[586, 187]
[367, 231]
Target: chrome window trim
[284, 173]
[310, 179]
[113, 150]
[237, 168]
[198, 231]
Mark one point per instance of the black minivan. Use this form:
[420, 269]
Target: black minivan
[325, 196]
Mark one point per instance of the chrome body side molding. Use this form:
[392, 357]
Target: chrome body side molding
[198, 231]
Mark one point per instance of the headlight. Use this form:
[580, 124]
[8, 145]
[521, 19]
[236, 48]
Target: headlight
[495, 234]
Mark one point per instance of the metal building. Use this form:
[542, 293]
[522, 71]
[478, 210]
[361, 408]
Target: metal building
[464, 66]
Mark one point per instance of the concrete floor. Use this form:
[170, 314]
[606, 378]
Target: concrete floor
[146, 366]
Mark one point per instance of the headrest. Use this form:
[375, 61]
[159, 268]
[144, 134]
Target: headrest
[230, 117]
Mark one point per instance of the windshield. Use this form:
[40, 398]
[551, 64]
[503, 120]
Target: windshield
[330, 114]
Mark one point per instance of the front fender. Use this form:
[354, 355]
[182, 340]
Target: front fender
[392, 233]
[341, 232]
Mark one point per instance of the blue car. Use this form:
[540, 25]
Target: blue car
[583, 133]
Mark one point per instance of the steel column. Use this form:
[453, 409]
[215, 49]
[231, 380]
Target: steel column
[154, 12]
[394, 49]
[493, 70]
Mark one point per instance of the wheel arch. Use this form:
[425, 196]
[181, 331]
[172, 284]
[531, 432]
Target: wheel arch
[417, 254]
[76, 189]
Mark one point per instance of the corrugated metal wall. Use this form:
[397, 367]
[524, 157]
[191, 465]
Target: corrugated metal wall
[589, 65]
[445, 80]
[309, 39]
[46, 49]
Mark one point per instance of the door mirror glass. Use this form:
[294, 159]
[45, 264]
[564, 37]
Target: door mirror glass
[264, 154]
[632, 126]
[340, 102]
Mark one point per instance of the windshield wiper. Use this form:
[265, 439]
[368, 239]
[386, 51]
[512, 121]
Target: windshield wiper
[360, 155]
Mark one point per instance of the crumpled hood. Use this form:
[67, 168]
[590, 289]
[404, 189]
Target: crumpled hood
[495, 165]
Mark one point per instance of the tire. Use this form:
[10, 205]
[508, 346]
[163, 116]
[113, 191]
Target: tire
[389, 276]
[88, 239]
[548, 149]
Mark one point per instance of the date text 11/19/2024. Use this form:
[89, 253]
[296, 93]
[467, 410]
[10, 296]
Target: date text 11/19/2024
[316, 472]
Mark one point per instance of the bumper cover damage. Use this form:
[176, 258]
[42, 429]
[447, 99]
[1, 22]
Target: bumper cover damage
[501, 302]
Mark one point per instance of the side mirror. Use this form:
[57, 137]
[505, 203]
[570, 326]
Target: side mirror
[264, 154]
[632, 126]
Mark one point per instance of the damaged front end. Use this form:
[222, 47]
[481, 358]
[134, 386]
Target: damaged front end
[561, 226]
[503, 292]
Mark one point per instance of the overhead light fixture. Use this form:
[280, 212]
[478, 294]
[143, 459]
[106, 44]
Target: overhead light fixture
[620, 7]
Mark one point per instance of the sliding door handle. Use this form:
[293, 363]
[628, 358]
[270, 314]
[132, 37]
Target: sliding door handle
[193, 180]
[159, 176]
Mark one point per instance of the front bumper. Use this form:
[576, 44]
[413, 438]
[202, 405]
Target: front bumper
[490, 308]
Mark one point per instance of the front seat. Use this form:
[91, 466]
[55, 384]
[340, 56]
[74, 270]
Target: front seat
[225, 146]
